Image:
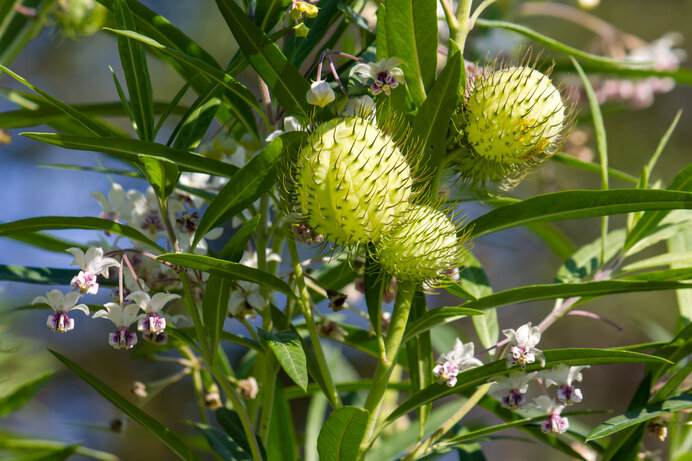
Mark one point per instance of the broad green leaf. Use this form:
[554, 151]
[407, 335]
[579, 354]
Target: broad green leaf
[470, 379]
[606, 63]
[136, 71]
[573, 161]
[222, 444]
[432, 121]
[284, 80]
[46, 242]
[438, 316]
[65, 222]
[289, 353]
[157, 429]
[567, 290]
[234, 249]
[227, 269]
[245, 101]
[474, 279]
[648, 222]
[342, 434]
[21, 394]
[215, 309]
[130, 150]
[575, 204]
[245, 186]
[412, 37]
[231, 424]
[639, 415]
[84, 120]
[40, 275]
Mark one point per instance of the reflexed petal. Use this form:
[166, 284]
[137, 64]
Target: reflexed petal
[362, 69]
[159, 300]
[79, 258]
[140, 298]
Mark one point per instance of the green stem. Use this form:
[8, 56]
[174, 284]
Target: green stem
[397, 326]
[420, 449]
[270, 370]
[463, 15]
[305, 302]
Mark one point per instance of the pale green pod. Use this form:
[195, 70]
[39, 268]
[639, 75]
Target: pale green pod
[351, 181]
[423, 246]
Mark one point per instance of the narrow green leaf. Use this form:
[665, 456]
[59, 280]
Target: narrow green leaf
[281, 440]
[215, 309]
[66, 222]
[672, 384]
[575, 204]
[136, 71]
[606, 63]
[435, 317]
[234, 249]
[56, 454]
[268, 13]
[412, 36]
[432, 121]
[245, 186]
[649, 221]
[161, 174]
[194, 125]
[420, 358]
[474, 279]
[289, 353]
[342, 434]
[284, 80]
[639, 415]
[84, 120]
[46, 242]
[458, 290]
[38, 275]
[587, 259]
[231, 424]
[227, 269]
[131, 149]
[566, 290]
[662, 143]
[170, 107]
[681, 242]
[222, 444]
[470, 379]
[570, 160]
[21, 394]
[241, 108]
[157, 429]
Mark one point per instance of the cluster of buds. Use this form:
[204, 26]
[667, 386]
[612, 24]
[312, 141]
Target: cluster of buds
[298, 12]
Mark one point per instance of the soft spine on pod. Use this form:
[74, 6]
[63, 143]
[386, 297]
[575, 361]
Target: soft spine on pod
[423, 246]
[513, 119]
[351, 181]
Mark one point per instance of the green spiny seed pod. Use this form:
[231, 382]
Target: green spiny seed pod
[351, 181]
[513, 119]
[422, 246]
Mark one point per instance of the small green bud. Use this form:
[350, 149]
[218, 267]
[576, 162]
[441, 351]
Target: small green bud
[79, 17]
[351, 181]
[301, 30]
[513, 119]
[422, 246]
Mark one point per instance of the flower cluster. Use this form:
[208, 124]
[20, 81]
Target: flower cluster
[454, 362]
[298, 12]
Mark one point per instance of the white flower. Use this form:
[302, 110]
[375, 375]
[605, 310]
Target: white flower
[522, 343]
[362, 106]
[152, 322]
[117, 206]
[555, 423]
[61, 304]
[320, 94]
[513, 388]
[562, 376]
[384, 73]
[93, 264]
[290, 124]
[122, 317]
[247, 296]
[459, 359]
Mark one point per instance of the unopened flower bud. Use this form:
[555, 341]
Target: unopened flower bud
[302, 31]
[320, 93]
[139, 389]
[212, 399]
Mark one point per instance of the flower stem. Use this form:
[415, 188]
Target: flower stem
[463, 15]
[397, 326]
[305, 302]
